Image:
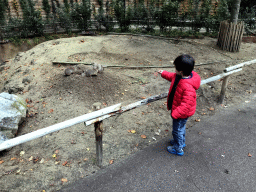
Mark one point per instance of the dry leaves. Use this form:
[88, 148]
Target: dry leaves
[111, 161]
[211, 109]
[1, 161]
[197, 120]
[50, 111]
[143, 136]
[65, 163]
[64, 180]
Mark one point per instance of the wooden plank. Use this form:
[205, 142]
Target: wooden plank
[232, 37]
[226, 35]
[240, 36]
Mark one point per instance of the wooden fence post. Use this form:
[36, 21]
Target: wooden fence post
[223, 89]
[98, 135]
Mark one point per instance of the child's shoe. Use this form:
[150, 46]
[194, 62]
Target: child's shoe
[173, 151]
[172, 143]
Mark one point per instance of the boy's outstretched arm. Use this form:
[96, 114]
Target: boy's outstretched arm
[166, 75]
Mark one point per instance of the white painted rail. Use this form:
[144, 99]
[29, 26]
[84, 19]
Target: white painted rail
[41, 132]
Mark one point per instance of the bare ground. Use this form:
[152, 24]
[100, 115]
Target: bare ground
[68, 155]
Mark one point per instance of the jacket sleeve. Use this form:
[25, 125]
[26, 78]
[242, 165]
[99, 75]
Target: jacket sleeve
[187, 105]
[167, 75]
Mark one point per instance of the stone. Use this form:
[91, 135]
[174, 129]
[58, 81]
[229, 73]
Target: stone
[27, 79]
[14, 86]
[12, 113]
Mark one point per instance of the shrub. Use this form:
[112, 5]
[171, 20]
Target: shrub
[167, 15]
[81, 15]
[104, 19]
[32, 20]
[123, 14]
[64, 18]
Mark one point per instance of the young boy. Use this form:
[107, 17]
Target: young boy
[181, 99]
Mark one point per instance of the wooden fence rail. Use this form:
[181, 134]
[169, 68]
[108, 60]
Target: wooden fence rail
[98, 116]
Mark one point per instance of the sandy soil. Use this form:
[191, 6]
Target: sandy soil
[68, 155]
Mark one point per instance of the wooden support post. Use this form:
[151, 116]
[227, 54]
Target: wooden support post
[98, 136]
[223, 89]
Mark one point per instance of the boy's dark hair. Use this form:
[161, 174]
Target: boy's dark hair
[184, 63]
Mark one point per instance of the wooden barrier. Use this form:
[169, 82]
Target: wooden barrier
[230, 36]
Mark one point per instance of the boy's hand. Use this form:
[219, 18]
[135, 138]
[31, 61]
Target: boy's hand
[160, 71]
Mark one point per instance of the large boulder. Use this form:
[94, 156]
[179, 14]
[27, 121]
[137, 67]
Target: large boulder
[12, 113]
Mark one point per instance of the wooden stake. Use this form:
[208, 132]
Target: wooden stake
[98, 136]
[223, 89]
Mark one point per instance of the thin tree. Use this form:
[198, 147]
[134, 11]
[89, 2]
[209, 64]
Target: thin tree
[235, 11]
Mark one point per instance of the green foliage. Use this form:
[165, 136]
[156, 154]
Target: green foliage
[32, 20]
[81, 15]
[3, 8]
[249, 17]
[144, 15]
[167, 15]
[123, 14]
[64, 18]
[47, 9]
[104, 18]
[14, 27]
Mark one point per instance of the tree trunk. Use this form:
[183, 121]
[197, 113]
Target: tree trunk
[235, 11]
[231, 32]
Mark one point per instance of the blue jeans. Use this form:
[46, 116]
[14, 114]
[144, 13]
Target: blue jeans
[179, 133]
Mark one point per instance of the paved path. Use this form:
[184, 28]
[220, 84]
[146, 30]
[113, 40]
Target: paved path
[216, 160]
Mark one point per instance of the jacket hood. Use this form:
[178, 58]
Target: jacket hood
[195, 80]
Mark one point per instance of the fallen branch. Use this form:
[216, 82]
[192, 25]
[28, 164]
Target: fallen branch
[70, 63]
[129, 67]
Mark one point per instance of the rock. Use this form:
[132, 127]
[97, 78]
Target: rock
[33, 61]
[14, 87]
[27, 79]
[12, 113]
[68, 71]
[18, 56]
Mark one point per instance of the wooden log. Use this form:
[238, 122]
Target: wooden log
[98, 129]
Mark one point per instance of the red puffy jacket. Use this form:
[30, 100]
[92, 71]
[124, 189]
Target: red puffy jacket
[184, 100]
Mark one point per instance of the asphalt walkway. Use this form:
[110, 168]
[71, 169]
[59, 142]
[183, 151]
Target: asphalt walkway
[215, 160]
